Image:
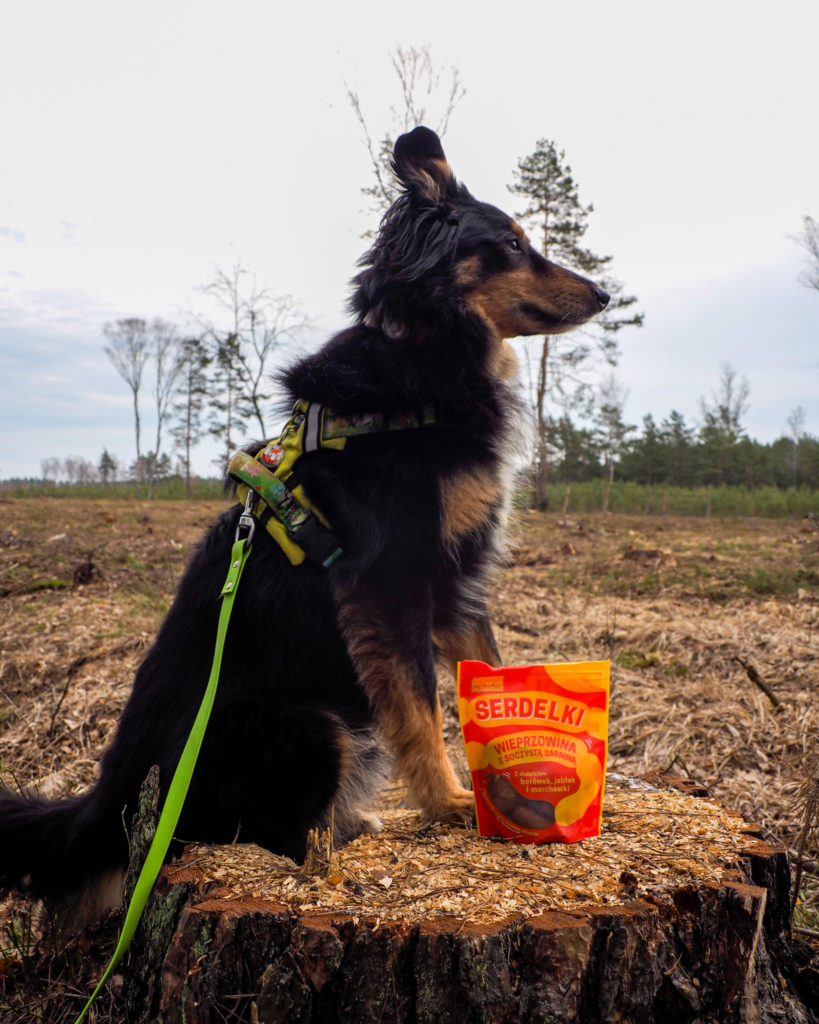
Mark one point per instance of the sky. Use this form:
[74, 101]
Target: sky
[143, 146]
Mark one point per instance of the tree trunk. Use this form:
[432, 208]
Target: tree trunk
[207, 951]
[541, 462]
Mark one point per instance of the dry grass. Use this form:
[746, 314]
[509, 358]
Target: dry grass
[682, 696]
[687, 610]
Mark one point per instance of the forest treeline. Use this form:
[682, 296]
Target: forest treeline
[666, 467]
[682, 455]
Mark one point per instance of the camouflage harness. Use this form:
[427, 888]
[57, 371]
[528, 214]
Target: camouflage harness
[285, 510]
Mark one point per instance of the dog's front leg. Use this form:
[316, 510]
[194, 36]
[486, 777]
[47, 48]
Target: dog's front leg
[390, 645]
[473, 641]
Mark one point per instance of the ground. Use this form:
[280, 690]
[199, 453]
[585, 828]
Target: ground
[712, 628]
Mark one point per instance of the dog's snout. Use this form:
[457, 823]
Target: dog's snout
[602, 296]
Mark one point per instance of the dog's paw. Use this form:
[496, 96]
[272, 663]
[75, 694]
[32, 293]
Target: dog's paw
[456, 808]
[369, 821]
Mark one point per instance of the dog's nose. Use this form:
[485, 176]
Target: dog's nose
[602, 297]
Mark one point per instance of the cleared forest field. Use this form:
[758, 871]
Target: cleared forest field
[711, 625]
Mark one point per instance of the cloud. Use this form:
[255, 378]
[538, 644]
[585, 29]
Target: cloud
[13, 234]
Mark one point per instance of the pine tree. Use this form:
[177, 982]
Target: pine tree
[107, 467]
[680, 445]
[572, 450]
[191, 396]
[646, 459]
[557, 221]
[226, 384]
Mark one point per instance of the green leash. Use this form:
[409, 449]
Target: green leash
[178, 790]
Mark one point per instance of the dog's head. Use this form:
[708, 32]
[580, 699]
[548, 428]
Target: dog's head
[440, 251]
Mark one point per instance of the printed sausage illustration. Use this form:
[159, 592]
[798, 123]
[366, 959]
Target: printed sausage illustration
[518, 808]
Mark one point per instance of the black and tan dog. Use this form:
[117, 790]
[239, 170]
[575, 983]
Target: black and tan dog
[321, 662]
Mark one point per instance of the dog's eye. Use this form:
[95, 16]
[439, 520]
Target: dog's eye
[514, 244]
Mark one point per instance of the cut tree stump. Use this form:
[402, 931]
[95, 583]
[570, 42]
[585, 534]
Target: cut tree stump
[676, 913]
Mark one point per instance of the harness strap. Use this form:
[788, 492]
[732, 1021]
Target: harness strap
[296, 529]
[287, 513]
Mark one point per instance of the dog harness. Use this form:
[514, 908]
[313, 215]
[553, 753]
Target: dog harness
[287, 513]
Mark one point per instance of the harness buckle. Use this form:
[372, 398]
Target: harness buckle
[247, 520]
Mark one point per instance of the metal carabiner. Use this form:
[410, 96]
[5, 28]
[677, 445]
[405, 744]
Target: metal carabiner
[247, 520]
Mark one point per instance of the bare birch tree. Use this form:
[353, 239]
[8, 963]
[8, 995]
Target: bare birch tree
[611, 428]
[128, 350]
[796, 429]
[164, 347]
[256, 329]
[809, 240]
[722, 426]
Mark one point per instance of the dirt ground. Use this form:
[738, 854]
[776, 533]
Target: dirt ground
[712, 628]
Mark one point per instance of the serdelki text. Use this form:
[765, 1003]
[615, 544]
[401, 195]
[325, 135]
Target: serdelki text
[516, 708]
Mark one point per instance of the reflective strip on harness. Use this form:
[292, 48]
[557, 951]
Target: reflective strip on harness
[312, 437]
[288, 515]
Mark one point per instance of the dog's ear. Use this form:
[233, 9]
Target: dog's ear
[419, 163]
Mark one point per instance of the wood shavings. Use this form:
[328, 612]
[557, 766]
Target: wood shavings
[412, 871]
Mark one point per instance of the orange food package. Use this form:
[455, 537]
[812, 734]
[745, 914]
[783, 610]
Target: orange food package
[536, 740]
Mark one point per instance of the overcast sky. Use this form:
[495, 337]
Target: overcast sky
[144, 145]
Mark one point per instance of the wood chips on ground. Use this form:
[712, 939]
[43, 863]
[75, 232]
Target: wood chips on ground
[651, 840]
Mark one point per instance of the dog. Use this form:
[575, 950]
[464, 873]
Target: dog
[325, 665]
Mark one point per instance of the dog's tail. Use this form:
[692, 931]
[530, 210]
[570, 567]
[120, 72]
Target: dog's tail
[53, 848]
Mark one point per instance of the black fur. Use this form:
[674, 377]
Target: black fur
[316, 660]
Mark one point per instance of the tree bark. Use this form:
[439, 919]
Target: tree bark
[699, 952]
[541, 461]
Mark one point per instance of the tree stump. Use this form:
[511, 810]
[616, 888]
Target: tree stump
[676, 913]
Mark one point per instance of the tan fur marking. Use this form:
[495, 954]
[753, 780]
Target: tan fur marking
[561, 294]
[415, 732]
[468, 272]
[442, 170]
[410, 726]
[496, 299]
[467, 501]
[428, 186]
[473, 644]
[432, 179]
[505, 364]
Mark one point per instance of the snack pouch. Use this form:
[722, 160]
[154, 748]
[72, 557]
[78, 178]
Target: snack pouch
[536, 741]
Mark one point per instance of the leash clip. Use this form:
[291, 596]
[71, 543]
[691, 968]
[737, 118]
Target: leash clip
[246, 519]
